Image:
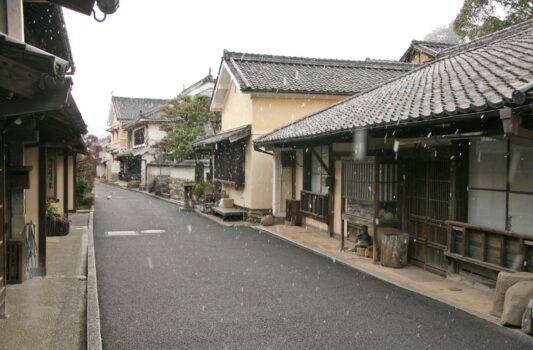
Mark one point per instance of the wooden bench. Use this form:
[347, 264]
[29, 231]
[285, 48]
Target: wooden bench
[226, 213]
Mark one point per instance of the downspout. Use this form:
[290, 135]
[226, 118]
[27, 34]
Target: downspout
[257, 149]
[360, 144]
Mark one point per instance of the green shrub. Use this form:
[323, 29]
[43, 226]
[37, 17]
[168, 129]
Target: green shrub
[200, 187]
[88, 199]
[82, 187]
[52, 209]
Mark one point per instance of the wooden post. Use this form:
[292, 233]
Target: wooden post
[75, 176]
[375, 189]
[65, 183]
[2, 234]
[503, 252]
[331, 191]
[42, 211]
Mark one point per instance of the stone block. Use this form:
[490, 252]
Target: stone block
[133, 184]
[267, 220]
[504, 281]
[517, 298]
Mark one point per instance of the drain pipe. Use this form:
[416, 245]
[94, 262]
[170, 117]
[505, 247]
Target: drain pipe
[360, 143]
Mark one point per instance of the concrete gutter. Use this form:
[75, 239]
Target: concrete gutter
[94, 336]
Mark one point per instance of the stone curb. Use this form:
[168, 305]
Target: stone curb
[94, 336]
[348, 264]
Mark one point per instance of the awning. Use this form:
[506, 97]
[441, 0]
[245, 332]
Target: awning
[31, 80]
[231, 135]
[32, 57]
[125, 154]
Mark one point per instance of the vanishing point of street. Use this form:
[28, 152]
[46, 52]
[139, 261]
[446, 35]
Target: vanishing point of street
[190, 283]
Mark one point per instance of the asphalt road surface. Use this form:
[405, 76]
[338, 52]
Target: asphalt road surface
[189, 283]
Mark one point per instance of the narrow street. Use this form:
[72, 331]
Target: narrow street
[189, 283]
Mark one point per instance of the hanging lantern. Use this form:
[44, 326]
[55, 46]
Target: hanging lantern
[108, 6]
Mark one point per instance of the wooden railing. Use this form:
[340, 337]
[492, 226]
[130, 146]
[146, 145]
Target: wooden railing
[315, 205]
[494, 249]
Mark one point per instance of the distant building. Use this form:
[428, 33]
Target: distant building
[203, 87]
[103, 157]
[125, 110]
[135, 127]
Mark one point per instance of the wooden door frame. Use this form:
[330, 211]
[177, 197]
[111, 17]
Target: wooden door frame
[2, 232]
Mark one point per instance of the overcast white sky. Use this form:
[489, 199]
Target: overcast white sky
[152, 48]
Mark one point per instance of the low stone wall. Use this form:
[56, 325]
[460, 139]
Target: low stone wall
[171, 186]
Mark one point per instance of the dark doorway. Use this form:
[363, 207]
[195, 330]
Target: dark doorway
[428, 186]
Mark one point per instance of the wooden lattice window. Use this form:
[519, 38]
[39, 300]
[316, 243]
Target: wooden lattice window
[229, 162]
[138, 137]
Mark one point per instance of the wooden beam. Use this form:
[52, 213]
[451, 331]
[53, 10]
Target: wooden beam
[326, 168]
[512, 123]
[18, 78]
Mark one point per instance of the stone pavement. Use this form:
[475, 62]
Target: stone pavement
[472, 300]
[49, 312]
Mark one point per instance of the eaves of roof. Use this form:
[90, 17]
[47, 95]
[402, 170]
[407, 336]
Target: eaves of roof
[483, 75]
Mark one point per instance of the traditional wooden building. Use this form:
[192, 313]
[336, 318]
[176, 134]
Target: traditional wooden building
[259, 93]
[443, 152]
[41, 134]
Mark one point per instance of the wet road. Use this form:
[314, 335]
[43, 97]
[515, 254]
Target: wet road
[188, 283]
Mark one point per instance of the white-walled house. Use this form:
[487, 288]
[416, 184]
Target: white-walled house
[124, 111]
[143, 133]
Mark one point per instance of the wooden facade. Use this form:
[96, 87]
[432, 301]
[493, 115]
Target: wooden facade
[2, 232]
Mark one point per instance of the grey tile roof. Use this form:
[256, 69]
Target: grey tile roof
[430, 48]
[188, 163]
[230, 135]
[479, 76]
[281, 74]
[152, 116]
[130, 108]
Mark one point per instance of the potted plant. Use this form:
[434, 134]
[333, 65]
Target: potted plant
[57, 224]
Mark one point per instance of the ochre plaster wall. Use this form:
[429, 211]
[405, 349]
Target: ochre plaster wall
[237, 109]
[71, 185]
[273, 112]
[31, 195]
[264, 114]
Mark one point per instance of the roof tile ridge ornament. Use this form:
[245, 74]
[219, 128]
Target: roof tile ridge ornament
[430, 42]
[506, 33]
[241, 74]
[520, 95]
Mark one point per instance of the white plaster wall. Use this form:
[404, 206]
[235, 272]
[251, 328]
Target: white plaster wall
[182, 173]
[101, 170]
[154, 134]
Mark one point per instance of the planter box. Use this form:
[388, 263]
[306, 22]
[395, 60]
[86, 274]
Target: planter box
[56, 227]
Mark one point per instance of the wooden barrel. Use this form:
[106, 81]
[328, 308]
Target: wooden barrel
[394, 249]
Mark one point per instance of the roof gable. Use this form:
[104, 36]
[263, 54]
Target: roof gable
[482, 75]
[131, 108]
[430, 48]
